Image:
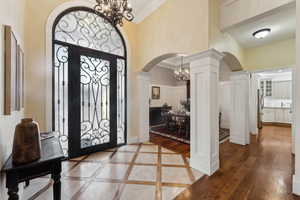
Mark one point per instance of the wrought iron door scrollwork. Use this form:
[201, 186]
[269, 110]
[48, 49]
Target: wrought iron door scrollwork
[121, 100]
[87, 29]
[82, 39]
[61, 94]
[95, 83]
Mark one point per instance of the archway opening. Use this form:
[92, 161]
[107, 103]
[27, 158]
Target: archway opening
[228, 65]
[169, 101]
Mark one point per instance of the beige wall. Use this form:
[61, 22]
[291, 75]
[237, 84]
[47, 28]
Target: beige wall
[37, 13]
[11, 13]
[176, 27]
[219, 40]
[275, 55]
[153, 37]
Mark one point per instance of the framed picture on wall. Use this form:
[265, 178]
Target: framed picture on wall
[22, 78]
[10, 71]
[19, 79]
[155, 92]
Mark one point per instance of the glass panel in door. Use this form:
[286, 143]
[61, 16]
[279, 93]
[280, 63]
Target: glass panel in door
[95, 101]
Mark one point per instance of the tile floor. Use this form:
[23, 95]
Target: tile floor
[143, 171]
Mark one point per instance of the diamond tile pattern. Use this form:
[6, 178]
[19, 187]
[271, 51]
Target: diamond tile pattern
[144, 171]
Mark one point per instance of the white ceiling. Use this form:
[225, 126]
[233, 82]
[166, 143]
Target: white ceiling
[143, 8]
[282, 22]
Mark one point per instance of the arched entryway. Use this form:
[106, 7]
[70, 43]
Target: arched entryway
[169, 97]
[204, 71]
[89, 82]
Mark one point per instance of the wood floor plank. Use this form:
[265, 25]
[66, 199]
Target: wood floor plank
[259, 171]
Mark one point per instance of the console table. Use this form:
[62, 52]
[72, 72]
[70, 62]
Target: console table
[49, 163]
[155, 115]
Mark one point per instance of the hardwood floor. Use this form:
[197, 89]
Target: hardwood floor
[260, 171]
[173, 145]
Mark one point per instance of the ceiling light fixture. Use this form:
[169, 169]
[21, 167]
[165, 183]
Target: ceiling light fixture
[262, 33]
[182, 73]
[115, 10]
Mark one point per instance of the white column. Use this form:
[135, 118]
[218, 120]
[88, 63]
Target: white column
[253, 104]
[293, 109]
[296, 178]
[143, 107]
[239, 128]
[204, 69]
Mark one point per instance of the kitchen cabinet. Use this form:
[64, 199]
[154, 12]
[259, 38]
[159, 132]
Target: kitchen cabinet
[266, 87]
[277, 115]
[289, 115]
[268, 115]
[280, 115]
[282, 89]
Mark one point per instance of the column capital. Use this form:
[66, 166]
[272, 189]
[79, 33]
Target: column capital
[240, 75]
[205, 61]
[210, 53]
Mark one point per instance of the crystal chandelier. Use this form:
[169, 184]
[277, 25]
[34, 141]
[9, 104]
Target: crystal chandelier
[115, 10]
[182, 73]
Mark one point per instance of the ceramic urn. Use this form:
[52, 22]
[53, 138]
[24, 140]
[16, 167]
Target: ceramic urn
[27, 143]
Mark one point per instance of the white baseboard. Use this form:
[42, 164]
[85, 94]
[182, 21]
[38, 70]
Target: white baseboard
[145, 139]
[3, 191]
[133, 140]
[237, 140]
[296, 185]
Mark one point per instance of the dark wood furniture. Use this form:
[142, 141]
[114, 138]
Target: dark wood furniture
[188, 89]
[182, 125]
[156, 116]
[49, 163]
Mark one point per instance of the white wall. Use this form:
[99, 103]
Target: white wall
[237, 11]
[11, 13]
[296, 178]
[225, 72]
[253, 104]
[169, 94]
[225, 103]
[164, 76]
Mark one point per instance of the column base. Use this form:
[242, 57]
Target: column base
[144, 139]
[204, 165]
[237, 140]
[296, 185]
[133, 140]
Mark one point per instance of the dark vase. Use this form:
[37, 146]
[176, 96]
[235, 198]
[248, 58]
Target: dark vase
[27, 143]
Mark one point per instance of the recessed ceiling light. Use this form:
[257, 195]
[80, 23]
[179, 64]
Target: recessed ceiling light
[262, 33]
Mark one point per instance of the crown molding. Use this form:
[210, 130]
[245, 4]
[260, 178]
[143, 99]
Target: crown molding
[147, 9]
